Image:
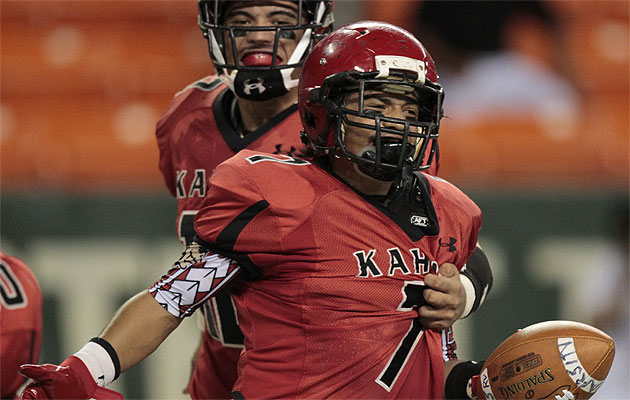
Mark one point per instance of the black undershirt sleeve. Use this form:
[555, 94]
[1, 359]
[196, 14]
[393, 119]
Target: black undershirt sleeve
[479, 272]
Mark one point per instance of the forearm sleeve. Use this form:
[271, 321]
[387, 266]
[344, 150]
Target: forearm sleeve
[478, 275]
[198, 275]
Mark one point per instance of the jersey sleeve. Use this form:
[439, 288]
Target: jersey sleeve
[198, 275]
[465, 217]
[183, 102]
[475, 227]
[162, 133]
[236, 220]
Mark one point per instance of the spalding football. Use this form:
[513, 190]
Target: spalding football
[557, 360]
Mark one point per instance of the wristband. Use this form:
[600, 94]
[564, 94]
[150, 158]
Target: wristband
[101, 360]
[458, 379]
[469, 288]
[476, 276]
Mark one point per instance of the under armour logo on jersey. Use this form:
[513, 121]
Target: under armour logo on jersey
[419, 221]
[248, 86]
[280, 150]
[450, 244]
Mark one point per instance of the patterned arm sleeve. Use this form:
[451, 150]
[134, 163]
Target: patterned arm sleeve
[198, 275]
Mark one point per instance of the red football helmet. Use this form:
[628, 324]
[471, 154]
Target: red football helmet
[273, 80]
[379, 56]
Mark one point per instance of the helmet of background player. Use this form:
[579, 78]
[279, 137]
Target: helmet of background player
[262, 82]
[371, 56]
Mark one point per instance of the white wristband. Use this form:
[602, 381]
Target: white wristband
[98, 362]
[470, 294]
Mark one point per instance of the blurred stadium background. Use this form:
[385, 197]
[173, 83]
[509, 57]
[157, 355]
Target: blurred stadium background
[82, 201]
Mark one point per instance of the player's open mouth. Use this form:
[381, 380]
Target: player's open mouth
[255, 59]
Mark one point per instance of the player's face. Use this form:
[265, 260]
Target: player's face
[255, 48]
[358, 140]
[400, 106]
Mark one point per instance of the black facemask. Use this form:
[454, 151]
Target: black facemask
[390, 154]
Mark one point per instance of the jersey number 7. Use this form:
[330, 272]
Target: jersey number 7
[412, 298]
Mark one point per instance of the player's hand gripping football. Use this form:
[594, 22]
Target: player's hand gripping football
[70, 380]
[445, 297]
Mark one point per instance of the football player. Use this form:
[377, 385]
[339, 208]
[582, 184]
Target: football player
[328, 255]
[257, 49]
[21, 316]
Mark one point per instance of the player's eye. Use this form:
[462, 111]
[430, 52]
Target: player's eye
[238, 21]
[283, 22]
[373, 111]
[411, 114]
[373, 107]
[287, 34]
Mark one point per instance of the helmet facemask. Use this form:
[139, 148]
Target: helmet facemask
[262, 82]
[398, 143]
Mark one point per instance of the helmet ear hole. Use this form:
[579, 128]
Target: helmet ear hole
[309, 119]
[305, 138]
[313, 94]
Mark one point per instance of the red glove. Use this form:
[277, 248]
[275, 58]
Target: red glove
[70, 380]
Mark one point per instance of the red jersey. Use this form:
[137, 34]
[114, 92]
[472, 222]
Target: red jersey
[20, 322]
[195, 134]
[333, 280]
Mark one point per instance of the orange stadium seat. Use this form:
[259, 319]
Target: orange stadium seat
[518, 152]
[75, 142]
[600, 52]
[397, 12]
[136, 56]
[586, 10]
[86, 9]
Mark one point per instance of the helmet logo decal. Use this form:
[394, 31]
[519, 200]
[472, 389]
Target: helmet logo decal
[248, 86]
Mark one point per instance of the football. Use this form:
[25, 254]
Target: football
[558, 360]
